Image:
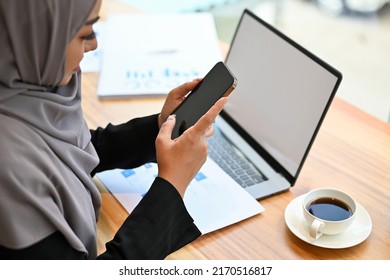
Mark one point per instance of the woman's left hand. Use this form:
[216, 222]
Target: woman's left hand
[174, 98]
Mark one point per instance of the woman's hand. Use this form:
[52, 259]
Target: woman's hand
[174, 98]
[180, 159]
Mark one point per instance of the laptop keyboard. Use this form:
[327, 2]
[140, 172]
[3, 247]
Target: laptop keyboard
[232, 161]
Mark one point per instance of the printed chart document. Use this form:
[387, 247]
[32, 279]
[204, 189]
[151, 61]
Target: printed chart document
[150, 54]
[213, 199]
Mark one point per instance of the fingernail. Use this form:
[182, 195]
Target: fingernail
[171, 117]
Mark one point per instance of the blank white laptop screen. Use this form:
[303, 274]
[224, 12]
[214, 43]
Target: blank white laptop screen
[283, 91]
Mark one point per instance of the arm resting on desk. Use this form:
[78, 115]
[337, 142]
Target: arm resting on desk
[158, 226]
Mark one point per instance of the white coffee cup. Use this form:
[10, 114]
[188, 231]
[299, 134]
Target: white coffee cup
[328, 211]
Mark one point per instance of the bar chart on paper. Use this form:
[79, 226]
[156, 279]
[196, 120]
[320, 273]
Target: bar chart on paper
[157, 79]
[156, 53]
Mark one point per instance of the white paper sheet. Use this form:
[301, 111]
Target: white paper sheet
[213, 199]
[150, 54]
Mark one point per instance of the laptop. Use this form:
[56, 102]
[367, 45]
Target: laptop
[268, 126]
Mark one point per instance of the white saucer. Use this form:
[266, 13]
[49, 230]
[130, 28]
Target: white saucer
[357, 232]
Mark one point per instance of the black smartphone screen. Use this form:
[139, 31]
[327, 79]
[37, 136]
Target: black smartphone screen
[218, 82]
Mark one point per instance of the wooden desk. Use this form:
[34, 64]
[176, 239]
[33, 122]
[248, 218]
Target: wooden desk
[351, 152]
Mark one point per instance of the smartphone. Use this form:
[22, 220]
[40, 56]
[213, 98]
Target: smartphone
[218, 82]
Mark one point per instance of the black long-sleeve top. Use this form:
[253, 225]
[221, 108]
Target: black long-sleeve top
[159, 225]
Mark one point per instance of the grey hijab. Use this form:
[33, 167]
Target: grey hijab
[46, 154]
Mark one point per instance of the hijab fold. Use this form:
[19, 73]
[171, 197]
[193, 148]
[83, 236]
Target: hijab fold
[47, 156]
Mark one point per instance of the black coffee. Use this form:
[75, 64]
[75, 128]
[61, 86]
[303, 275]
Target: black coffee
[330, 209]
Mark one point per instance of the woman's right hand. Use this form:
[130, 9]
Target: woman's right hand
[180, 159]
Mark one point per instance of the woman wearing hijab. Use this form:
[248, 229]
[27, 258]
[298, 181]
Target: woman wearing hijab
[48, 201]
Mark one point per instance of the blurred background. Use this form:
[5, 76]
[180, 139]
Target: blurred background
[351, 35]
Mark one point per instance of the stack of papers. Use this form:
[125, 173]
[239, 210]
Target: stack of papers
[150, 54]
[213, 199]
